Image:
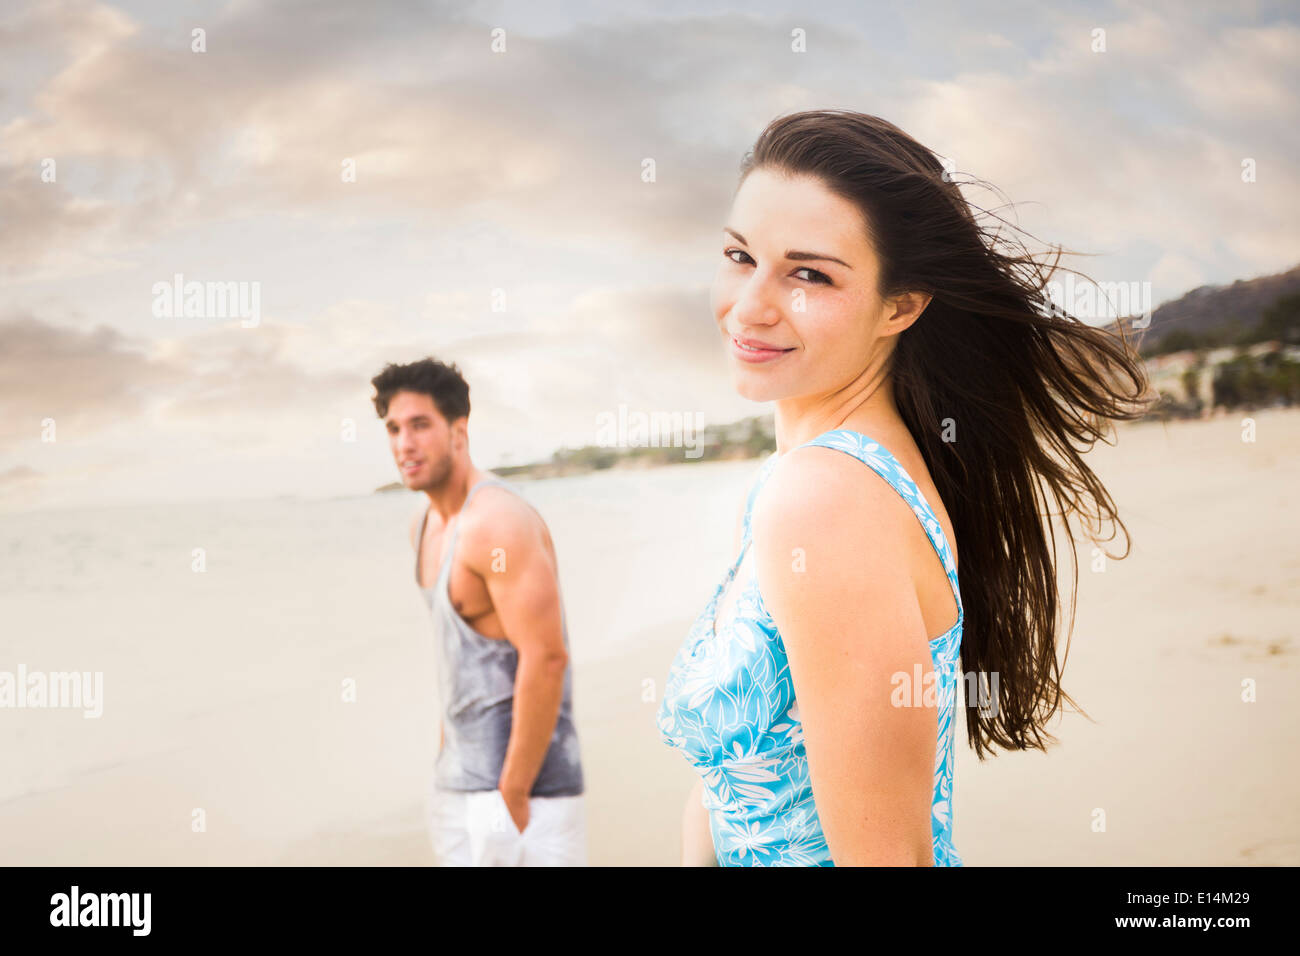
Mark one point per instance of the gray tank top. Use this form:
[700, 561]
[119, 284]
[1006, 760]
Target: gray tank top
[476, 676]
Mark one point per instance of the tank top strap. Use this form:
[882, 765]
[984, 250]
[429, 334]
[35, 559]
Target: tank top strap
[491, 480]
[763, 474]
[445, 570]
[419, 544]
[880, 460]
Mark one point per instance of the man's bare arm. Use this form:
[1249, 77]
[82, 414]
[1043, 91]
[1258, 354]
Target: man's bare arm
[507, 548]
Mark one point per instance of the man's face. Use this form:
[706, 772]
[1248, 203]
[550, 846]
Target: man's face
[423, 442]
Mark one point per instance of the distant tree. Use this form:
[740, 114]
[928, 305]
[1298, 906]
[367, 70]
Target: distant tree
[1178, 340]
[1281, 321]
[1282, 379]
[1229, 332]
[1240, 382]
[757, 443]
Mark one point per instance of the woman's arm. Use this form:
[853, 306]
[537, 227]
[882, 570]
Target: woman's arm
[835, 569]
[697, 841]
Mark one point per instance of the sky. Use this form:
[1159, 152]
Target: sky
[497, 216]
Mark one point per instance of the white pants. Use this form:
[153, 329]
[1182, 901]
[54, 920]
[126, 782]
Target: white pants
[474, 828]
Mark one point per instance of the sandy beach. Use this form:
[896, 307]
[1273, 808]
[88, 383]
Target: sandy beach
[223, 689]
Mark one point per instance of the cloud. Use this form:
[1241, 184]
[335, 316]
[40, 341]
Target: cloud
[1143, 162]
[522, 172]
[432, 118]
[96, 381]
[84, 380]
[195, 404]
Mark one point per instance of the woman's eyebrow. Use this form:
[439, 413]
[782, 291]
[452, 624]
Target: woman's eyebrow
[795, 254]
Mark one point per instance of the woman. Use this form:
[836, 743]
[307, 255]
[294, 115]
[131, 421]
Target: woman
[860, 293]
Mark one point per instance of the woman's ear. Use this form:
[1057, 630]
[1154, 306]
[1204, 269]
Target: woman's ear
[905, 309]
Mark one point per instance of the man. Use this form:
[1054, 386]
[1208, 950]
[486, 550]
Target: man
[507, 787]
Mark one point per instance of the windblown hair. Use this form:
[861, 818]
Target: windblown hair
[1025, 387]
[443, 383]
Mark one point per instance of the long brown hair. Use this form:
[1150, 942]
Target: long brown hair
[1027, 386]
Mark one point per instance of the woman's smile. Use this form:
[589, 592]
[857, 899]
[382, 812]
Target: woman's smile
[755, 351]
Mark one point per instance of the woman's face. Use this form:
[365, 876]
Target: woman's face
[795, 296]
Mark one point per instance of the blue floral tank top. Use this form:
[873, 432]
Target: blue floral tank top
[730, 706]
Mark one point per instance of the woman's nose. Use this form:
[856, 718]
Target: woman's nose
[758, 302]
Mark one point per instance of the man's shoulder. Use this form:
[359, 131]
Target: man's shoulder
[499, 512]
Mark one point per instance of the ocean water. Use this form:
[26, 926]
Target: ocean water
[295, 598]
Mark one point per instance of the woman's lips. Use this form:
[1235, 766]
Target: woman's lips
[754, 352]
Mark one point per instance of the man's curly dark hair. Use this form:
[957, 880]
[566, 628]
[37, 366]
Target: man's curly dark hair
[443, 383]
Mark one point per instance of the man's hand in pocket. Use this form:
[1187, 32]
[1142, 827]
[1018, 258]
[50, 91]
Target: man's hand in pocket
[516, 802]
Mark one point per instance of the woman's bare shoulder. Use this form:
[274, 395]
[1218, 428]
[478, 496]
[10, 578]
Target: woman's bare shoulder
[830, 505]
[813, 482]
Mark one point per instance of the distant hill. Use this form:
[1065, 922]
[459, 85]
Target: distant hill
[1220, 314]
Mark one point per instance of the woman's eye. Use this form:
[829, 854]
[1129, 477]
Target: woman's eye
[815, 276]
